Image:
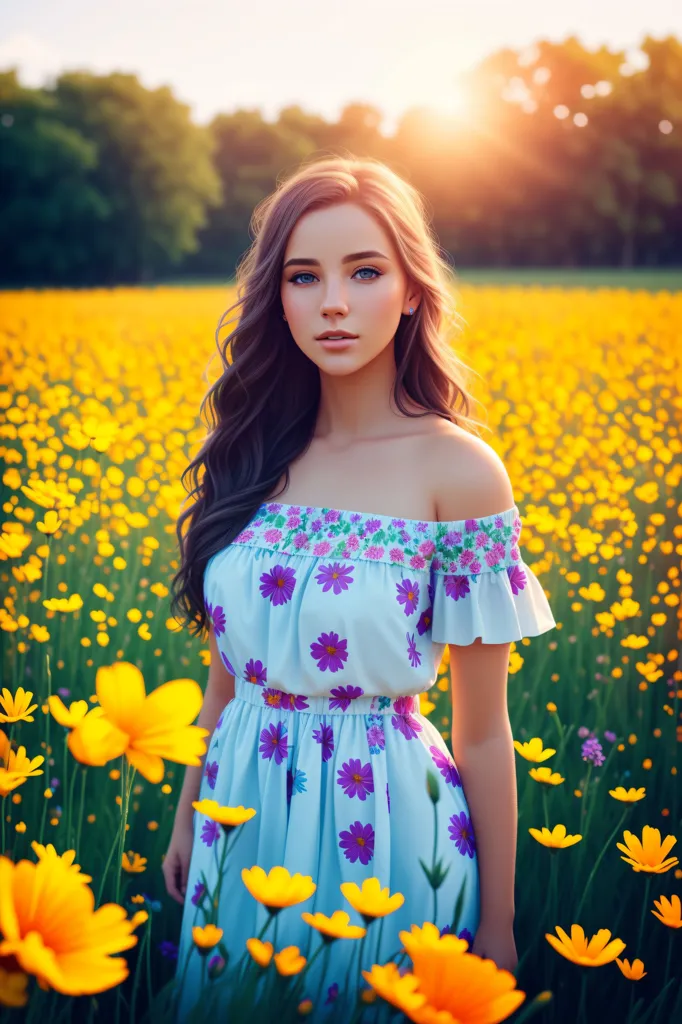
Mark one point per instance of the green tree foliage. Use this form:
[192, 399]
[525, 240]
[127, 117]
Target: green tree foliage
[106, 181]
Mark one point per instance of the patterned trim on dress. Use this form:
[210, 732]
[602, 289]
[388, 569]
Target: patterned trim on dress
[344, 699]
[466, 547]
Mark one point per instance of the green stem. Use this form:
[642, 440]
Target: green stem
[84, 772]
[644, 910]
[598, 862]
[126, 787]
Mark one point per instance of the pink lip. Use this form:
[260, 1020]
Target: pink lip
[337, 342]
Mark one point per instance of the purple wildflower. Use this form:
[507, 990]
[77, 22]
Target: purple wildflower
[408, 595]
[255, 672]
[446, 766]
[210, 831]
[278, 584]
[199, 893]
[211, 773]
[336, 576]
[358, 842]
[355, 778]
[329, 651]
[462, 833]
[592, 751]
[274, 743]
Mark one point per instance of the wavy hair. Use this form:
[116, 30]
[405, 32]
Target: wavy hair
[263, 408]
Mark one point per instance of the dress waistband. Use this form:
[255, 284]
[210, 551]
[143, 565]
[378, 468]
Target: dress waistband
[344, 699]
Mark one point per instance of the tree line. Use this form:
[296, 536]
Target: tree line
[571, 158]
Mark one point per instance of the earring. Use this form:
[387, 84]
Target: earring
[411, 311]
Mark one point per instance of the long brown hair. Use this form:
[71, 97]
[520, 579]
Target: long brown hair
[263, 408]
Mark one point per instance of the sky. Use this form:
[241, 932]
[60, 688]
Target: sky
[225, 55]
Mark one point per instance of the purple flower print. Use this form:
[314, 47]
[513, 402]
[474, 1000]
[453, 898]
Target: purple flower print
[273, 698]
[462, 833]
[278, 584]
[372, 525]
[220, 721]
[408, 595]
[456, 586]
[217, 618]
[376, 738]
[211, 773]
[356, 778]
[425, 621]
[294, 702]
[404, 721]
[517, 578]
[341, 696]
[273, 742]
[335, 575]
[325, 737]
[209, 832]
[329, 651]
[446, 766]
[358, 842]
[199, 893]
[412, 652]
[255, 672]
[388, 799]
[228, 665]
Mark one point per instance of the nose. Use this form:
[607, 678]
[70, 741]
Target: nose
[334, 302]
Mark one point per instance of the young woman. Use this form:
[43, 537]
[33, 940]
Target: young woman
[348, 525]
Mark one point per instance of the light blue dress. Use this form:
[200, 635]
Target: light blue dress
[333, 622]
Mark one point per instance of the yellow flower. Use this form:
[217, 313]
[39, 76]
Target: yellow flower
[4, 747]
[228, 817]
[13, 988]
[75, 957]
[335, 927]
[648, 854]
[476, 988]
[277, 889]
[557, 838]
[48, 853]
[532, 750]
[16, 708]
[669, 911]
[144, 728]
[546, 776]
[133, 862]
[371, 900]
[305, 1007]
[595, 953]
[260, 951]
[139, 898]
[207, 937]
[634, 971]
[75, 713]
[628, 796]
[289, 960]
[18, 768]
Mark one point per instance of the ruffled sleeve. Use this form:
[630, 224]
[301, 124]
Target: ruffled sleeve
[481, 587]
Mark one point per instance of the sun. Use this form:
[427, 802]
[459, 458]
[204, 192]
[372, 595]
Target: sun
[453, 101]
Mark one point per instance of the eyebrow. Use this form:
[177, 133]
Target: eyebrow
[351, 258]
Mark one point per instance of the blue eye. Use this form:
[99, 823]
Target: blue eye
[307, 273]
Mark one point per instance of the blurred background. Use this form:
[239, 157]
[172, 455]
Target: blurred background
[136, 138]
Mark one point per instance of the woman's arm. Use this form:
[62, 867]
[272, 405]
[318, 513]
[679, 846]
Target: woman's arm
[219, 692]
[483, 748]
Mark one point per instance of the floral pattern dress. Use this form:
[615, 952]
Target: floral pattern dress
[333, 623]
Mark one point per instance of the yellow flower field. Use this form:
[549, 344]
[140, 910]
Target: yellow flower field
[101, 687]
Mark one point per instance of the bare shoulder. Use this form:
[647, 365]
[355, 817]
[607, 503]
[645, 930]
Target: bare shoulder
[468, 478]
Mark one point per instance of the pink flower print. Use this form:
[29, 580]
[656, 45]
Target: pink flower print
[293, 522]
[466, 558]
[495, 554]
[375, 551]
[316, 525]
[452, 539]
[278, 584]
[300, 541]
[332, 515]
[272, 535]
[517, 578]
[329, 651]
[352, 542]
[335, 576]
[322, 548]
[341, 696]
[481, 539]
[255, 672]
[376, 738]
[408, 595]
[396, 555]
[456, 586]
[358, 842]
[499, 522]
[475, 567]
[209, 832]
[211, 773]
[273, 743]
[244, 537]
[470, 525]
[413, 654]
[398, 523]
[446, 766]
[355, 778]
[462, 833]
[227, 663]
[425, 621]
[403, 720]
[217, 617]
[372, 525]
[325, 737]
[417, 562]
[426, 548]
